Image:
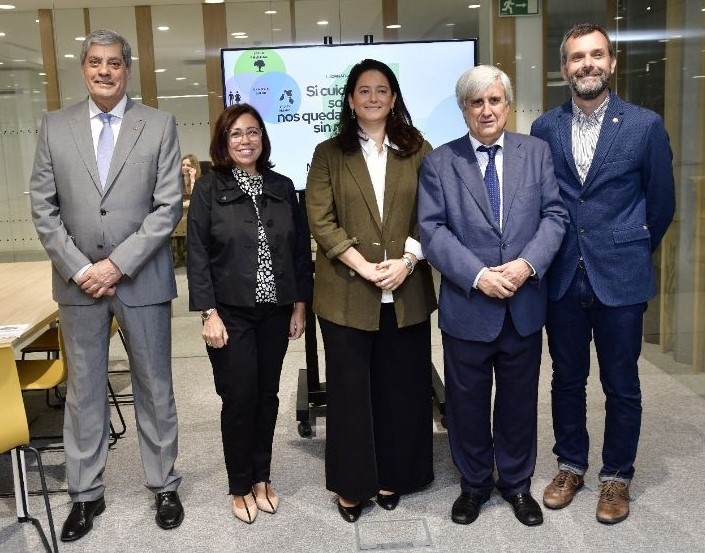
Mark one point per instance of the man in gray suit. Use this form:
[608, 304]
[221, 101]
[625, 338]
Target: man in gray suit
[106, 195]
[491, 220]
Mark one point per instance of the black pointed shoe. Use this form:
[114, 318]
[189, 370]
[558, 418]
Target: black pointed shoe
[350, 514]
[170, 512]
[526, 509]
[80, 519]
[388, 502]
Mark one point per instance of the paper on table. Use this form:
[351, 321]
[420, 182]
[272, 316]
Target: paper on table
[10, 332]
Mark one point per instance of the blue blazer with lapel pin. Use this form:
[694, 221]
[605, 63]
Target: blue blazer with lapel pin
[620, 214]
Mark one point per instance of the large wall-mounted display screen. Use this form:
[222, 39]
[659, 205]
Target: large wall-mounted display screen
[298, 90]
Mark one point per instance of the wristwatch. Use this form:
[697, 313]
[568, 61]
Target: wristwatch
[206, 313]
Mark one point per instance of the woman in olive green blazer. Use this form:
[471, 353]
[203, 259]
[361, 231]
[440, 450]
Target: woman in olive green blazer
[373, 294]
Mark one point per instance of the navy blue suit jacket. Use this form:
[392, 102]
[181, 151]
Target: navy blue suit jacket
[459, 235]
[620, 214]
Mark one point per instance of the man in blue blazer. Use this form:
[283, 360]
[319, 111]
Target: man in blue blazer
[613, 166]
[491, 220]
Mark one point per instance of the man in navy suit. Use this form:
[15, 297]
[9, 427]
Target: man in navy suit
[613, 166]
[491, 220]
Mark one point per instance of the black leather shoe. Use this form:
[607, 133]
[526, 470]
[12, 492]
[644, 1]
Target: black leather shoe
[526, 509]
[467, 507]
[170, 513]
[388, 502]
[350, 514]
[80, 519]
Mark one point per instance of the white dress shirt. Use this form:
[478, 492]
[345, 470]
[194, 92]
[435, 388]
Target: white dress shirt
[377, 168]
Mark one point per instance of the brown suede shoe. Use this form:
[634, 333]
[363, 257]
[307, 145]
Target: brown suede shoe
[613, 506]
[561, 491]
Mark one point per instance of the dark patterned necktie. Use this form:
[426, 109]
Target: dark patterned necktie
[492, 180]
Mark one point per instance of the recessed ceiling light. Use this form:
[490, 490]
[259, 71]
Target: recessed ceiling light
[180, 78]
[69, 56]
[213, 1]
[275, 29]
[42, 74]
[450, 24]
[79, 38]
[618, 18]
[159, 70]
[2, 34]
[270, 12]
[7, 7]
[238, 33]
[394, 26]
[163, 28]
[322, 22]
[21, 61]
[474, 6]
[134, 58]
[195, 84]
[242, 36]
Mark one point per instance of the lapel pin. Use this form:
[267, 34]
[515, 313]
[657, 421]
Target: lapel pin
[615, 120]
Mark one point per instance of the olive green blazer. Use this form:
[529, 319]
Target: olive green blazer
[342, 213]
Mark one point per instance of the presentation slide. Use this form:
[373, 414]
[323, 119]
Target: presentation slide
[299, 90]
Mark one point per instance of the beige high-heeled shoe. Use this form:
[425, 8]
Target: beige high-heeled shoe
[248, 512]
[266, 500]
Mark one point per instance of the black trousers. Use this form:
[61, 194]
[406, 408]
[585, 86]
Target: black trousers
[246, 373]
[379, 412]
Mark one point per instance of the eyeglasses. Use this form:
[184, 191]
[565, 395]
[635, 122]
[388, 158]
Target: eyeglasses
[252, 133]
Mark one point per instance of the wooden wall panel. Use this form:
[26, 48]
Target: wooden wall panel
[215, 37]
[504, 52]
[390, 16]
[46, 33]
[145, 47]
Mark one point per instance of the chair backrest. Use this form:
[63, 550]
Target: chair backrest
[43, 374]
[14, 430]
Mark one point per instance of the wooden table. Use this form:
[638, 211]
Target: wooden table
[25, 298]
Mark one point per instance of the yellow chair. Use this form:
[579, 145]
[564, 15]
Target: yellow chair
[47, 374]
[14, 434]
[43, 374]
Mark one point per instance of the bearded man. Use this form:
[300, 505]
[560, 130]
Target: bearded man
[613, 165]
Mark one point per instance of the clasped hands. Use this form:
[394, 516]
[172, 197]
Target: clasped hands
[387, 275]
[100, 279]
[504, 280]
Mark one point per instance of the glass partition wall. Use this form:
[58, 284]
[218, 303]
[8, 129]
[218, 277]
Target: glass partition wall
[661, 65]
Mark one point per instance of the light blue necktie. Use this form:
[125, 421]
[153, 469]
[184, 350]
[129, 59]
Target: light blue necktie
[106, 144]
[492, 180]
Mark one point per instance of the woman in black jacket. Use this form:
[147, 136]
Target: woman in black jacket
[249, 273]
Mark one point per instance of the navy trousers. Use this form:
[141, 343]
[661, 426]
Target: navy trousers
[507, 437]
[571, 324]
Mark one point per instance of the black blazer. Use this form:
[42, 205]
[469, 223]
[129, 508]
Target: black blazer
[221, 241]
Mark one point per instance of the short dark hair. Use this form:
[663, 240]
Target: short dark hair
[582, 29]
[219, 143]
[107, 37]
[398, 126]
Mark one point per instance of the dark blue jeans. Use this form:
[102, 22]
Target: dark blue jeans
[571, 324]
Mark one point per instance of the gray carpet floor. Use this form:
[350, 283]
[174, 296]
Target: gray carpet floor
[666, 504]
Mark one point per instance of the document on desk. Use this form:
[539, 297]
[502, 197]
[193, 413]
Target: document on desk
[10, 332]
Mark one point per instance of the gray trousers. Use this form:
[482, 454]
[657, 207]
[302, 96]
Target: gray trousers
[86, 332]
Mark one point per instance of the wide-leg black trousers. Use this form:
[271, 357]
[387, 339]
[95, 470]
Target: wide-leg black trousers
[379, 410]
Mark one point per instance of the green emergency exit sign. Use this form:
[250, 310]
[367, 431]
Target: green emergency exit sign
[512, 8]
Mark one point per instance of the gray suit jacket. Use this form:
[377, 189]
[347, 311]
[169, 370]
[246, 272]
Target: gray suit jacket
[130, 221]
[459, 236]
